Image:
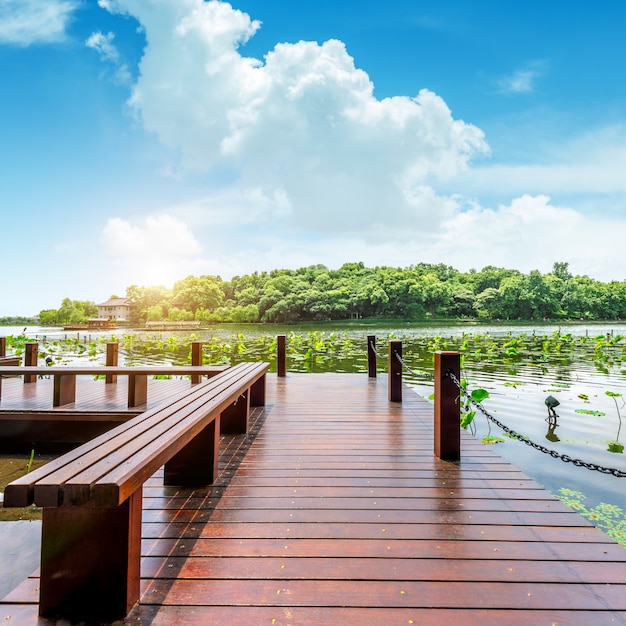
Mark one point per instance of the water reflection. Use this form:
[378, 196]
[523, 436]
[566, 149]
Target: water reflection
[552, 425]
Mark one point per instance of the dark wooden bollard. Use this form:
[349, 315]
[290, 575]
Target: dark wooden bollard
[447, 407]
[3, 352]
[112, 361]
[281, 355]
[196, 360]
[31, 353]
[371, 356]
[395, 371]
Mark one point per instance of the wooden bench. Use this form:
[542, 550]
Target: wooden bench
[91, 496]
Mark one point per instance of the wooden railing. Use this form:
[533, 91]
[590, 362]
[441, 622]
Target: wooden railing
[4, 359]
[446, 406]
[64, 387]
[447, 444]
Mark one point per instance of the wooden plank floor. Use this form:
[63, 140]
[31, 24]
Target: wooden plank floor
[334, 511]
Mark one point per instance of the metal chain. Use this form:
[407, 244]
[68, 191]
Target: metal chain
[555, 455]
[380, 356]
[413, 372]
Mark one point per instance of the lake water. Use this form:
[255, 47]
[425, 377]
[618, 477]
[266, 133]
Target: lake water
[518, 384]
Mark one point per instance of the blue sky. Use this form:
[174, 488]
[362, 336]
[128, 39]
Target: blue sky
[146, 140]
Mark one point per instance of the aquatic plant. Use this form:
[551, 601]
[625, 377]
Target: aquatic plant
[616, 446]
[607, 517]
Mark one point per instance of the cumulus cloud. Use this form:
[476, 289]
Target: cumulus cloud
[532, 233]
[314, 168]
[302, 124]
[26, 22]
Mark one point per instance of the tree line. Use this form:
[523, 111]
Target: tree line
[354, 291]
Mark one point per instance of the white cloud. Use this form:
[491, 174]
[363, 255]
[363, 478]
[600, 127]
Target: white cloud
[304, 124]
[103, 44]
[157, 250]
[26, 22]
[321, 171]
[523, 80]
[532, 233]
[592, 163]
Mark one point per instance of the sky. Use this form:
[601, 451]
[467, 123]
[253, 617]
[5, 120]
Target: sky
[143, 141]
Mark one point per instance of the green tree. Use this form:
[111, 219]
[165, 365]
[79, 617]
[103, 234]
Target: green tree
[201, 292]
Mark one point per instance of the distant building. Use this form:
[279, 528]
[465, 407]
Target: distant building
[115, 309]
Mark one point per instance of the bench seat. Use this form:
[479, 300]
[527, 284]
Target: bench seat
[91, 496]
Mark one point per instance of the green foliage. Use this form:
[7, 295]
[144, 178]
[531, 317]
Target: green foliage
[316, 293]
[17, 320]
[491, 439]
[608, 517]
[590, 412]
[70, 312]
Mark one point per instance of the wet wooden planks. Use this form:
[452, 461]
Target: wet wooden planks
[91, 394]
[337, 512]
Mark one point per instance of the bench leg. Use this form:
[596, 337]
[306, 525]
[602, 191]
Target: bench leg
[90, 561]
[137, 390]
[235, 417]
[197, 463]
[64, 389]
[257, 392]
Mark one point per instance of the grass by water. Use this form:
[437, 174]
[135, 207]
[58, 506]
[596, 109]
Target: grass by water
[12, 467]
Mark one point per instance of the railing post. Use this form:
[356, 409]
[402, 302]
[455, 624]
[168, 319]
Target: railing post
[371, 356]
[395, 371]
[112, 361]
[281, 355]
[30, 359]
[3, 352]
[447, 406]
[196, 360]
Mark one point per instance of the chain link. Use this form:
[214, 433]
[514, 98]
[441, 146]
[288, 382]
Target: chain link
[515, 435]
[422, 375]
[380, 356]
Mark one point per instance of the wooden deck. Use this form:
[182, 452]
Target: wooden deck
[91, 395]
[334, 511]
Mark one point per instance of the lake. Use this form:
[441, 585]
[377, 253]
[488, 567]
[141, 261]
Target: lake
[518, 364]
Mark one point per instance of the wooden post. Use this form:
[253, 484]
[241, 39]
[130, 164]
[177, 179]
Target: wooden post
[447, 407]
[30, 358]
[137, 390]
[64, 390]
[395, 371]
[196, 360]
[371, 356]
[96, 574]
[3, 352]
[112, 360]
[281, 355]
